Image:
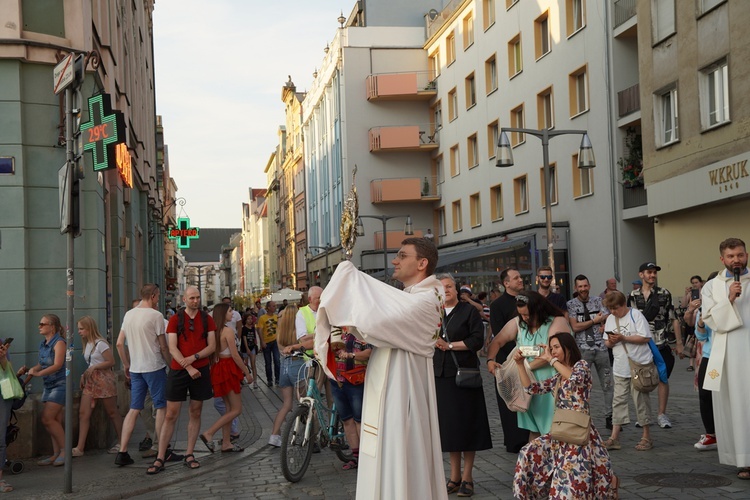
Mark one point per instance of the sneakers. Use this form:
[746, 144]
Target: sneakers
[123, 458]
[145, 444]
[706, 442]
[255, 385]
[663, 421]
[275, 440]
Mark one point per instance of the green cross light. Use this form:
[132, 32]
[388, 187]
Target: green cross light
[183, 233]
[104, 130]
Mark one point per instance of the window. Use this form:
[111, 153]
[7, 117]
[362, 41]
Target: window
[520, 195]
[541, 35]
[493, 135]
[471, 91]
[666, 118]
[457, 224]
[488, 8]
[472, 148]
[434, 65]
[452, 104]
[440, 214]
[496, 202]
[552, 183]
[437, 115]
[714, 95]
[515, 58]
[450, 48]
[490, 74]
[517, 121]
[510, 3]
[468, 30]
[455, 161]
[574, 15]
[545, 109]
[583, 179]
[662, 20]
[578, 83]
[707, 5]
[475, 210]
[437, 169]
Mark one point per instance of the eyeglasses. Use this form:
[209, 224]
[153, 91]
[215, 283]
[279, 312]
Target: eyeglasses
[522, 300]
[545, 276]
[45, 324]
[404, 255]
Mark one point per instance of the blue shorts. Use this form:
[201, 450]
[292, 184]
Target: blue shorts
[54, 394]
[348, 399]
[292, 371]
[152, 382]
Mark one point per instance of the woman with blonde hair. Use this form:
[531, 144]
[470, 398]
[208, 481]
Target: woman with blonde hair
[98, 382]
[227, 372]
[292, 372]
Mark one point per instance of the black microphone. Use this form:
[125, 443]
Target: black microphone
[736, 271]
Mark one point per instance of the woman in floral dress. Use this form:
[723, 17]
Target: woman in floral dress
[548, 468]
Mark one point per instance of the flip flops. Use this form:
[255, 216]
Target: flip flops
[234, 449]
[209, 444]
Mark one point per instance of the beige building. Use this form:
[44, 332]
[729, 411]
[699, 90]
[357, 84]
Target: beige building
[254, 274]
[695, 101]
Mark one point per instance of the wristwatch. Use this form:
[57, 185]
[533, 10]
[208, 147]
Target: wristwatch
[197, 356]
[450, 346]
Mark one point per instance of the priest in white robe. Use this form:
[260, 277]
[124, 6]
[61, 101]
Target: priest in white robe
[726, 310]
[400, 455]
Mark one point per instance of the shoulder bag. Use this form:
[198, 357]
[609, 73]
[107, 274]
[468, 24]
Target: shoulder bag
[508, 384]
[691, 347]
[569, 426]
[466, 378]
[644, 377]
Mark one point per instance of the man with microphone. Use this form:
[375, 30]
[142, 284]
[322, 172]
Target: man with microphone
[726, 310]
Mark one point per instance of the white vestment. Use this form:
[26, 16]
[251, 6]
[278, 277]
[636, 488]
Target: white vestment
[728, 369]
[400, 455]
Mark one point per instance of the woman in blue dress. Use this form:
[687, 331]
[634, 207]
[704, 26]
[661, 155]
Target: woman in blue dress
[537, 319]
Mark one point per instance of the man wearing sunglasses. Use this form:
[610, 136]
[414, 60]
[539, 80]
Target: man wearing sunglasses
[544, 281]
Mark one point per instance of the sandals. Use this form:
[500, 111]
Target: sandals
[466, 489]
[5, 487]
[744, 473]
[644, 444]
[46, 461]
[234, 449]
[191, 464]
[209, 444]
[612, 444]
[156, 468]
[350, 465]
[453, 486]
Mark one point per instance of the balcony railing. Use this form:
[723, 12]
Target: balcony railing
[433, 25]
[401, 86]
[394, 239]
[624, 10]
[404, 189]
[403, 138]
[629, 100]
[634, 197]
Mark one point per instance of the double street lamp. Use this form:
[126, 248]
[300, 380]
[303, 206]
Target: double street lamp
[408, 230]
[327, 250]
[585, 160]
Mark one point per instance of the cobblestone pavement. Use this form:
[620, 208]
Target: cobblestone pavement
[256, 473]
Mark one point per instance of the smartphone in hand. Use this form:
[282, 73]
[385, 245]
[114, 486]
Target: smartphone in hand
[8, 341]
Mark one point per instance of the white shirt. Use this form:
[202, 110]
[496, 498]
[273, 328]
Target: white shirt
[142, 327]
[233, 322]
[94, 353]
[633, 323]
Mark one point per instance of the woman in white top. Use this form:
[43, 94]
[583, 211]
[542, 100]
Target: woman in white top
[627, 326]
[98, 382]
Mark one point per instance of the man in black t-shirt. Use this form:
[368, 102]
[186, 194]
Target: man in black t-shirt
[544, 282]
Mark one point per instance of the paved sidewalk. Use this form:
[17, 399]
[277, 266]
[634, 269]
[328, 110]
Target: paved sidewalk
[256, 473]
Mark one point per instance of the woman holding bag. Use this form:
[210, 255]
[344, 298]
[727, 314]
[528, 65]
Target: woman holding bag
[6, 406]
[462, 412]
[547, 464]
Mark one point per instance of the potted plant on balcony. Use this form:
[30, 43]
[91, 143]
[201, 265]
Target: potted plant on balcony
[631, 165]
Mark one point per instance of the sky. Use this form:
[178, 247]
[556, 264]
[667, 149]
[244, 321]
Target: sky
[220, 67]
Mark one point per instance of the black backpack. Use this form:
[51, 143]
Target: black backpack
[181, 321]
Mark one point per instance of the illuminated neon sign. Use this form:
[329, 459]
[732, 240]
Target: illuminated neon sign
[124, 166]
[104, 130]
[183, 233]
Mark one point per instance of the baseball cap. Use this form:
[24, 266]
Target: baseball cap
[465, 289]
[637, 282]
[648, 265]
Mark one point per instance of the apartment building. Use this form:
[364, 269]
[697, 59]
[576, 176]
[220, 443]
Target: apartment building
[254, 244]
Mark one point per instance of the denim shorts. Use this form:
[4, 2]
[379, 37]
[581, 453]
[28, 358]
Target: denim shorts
[54, 394]
[292, 371]
[348, 400]
[152, 382]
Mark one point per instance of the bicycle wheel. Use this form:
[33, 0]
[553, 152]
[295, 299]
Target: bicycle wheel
[339, 443]
[295, 452]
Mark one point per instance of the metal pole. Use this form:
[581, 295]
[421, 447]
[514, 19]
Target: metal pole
[548, 203]
[385, 249]
[70, 293]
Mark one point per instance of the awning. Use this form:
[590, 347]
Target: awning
[461, 255]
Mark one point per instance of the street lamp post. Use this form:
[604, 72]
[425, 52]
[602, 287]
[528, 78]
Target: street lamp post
[408, 230]
[327, 250]
[585, 160]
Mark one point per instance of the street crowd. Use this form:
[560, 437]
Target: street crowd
[406, 375]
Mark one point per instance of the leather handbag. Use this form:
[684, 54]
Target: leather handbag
[466, 378]
[644, 377]
[570, 426]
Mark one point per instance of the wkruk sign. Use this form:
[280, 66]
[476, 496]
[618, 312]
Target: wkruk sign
[103, 132]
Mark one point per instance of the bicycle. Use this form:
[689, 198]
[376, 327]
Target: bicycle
[298, 435]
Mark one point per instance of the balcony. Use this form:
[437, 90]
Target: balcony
[633, 197]
[624, 10]
[415, 86]
[404, 189]
[403, 138]
[394, 239]
[629, 100]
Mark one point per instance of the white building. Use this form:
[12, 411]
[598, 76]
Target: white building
[254, 237]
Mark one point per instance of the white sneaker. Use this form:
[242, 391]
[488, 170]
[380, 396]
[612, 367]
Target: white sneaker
[664, 422]
[275, 440]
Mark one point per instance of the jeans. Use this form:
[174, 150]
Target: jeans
[222, 409]
[272, 349]
[600, 359]
[5, 408]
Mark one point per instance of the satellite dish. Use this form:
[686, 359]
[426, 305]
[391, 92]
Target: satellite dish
[432, 14]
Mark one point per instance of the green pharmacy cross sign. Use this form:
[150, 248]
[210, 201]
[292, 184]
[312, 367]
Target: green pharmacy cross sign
[104, 130]
[183, 233]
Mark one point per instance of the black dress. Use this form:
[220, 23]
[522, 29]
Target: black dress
[462, 413]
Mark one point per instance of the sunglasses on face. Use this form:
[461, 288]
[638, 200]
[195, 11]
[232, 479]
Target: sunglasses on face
[191, 325]
[545, 276]
[45, 324]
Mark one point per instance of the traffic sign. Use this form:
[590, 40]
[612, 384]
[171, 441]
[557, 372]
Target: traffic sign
[64, 74]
